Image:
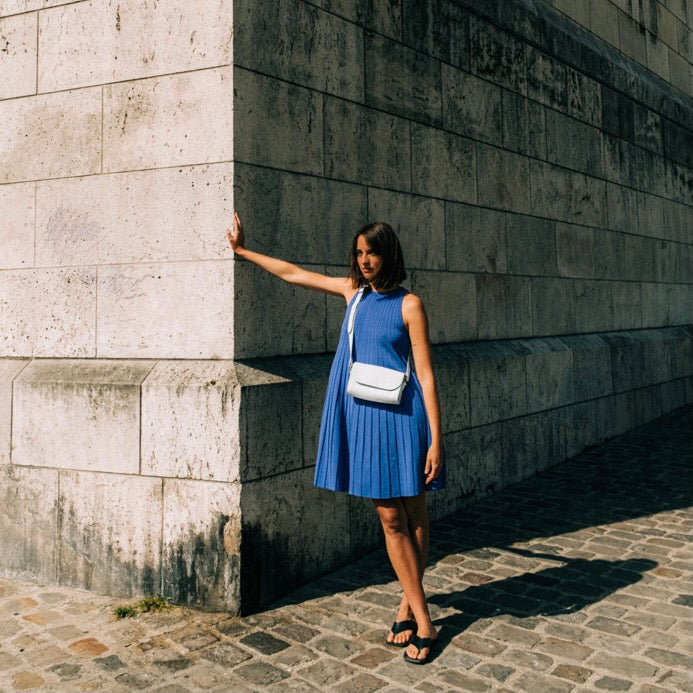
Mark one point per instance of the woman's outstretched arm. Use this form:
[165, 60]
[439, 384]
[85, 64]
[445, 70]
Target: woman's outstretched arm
[416, 322]
[293, 274]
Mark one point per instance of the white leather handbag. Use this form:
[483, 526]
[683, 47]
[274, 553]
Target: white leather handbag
[370, 382]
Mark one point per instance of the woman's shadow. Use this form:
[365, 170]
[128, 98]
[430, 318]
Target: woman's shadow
[563, 589]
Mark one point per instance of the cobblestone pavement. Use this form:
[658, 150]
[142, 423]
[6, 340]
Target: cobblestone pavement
[578, 579]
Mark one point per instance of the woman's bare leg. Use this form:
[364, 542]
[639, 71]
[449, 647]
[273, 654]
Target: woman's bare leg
[406, 562]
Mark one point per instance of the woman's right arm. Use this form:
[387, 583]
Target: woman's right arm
[293, 274]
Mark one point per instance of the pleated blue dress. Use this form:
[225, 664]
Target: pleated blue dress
[366, 448]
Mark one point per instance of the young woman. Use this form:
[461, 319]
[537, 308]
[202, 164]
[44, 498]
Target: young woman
[390, 453]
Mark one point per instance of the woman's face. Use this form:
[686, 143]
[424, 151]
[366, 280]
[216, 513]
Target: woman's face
[368, 260]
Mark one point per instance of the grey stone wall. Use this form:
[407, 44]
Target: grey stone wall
[160, 403]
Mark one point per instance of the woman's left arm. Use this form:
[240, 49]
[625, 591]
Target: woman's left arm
[416, 322]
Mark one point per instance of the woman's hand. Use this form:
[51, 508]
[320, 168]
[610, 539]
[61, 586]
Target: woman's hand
[434, 463]
[237, 238]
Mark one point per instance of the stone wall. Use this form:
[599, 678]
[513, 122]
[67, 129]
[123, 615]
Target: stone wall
[160, 403]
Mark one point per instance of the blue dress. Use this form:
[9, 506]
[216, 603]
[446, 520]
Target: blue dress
[366, 448]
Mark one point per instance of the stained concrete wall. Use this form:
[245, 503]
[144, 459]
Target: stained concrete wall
[160, 403]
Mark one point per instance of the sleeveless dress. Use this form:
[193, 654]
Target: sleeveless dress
[366, 448]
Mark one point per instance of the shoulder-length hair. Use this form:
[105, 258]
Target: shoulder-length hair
[383, 240]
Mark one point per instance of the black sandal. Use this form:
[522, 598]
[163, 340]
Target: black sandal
[419, 644]
[400, 627]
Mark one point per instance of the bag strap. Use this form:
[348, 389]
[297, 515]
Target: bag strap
[350, 329]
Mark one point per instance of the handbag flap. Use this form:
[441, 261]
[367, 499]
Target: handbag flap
[377, 376]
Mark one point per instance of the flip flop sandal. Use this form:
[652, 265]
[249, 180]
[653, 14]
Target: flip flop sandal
[399, 627]
[419, 644]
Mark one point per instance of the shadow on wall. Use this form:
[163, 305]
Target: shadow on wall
[629, 477]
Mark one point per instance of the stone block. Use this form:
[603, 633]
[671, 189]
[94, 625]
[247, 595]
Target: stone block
[573, 144]
[10, 7]
[503, 306]
[17, 216]
[584, 425]
[678, 221]
[531, 245]
[473, 458]
[651, 216]
[300, 315]
[622, 208]
[18, 55]
[48, 312]
[527, 444]
[51, 136]
[437, 28]
[201, 544]
[591, 366]
[471, 106]
[547, 80]
[403, 81]
[631, 39]
[443, 164]
[269, 394]
[658, 59]
[665, 304]
[502, 179]
[604, 21]
[639, 258]
[335, 309]
[574, 245]
[450, 302]
[524, 125]
[109, 533]
[497, 381]
[170, 121]
[419, 223]
[594, 310]
[136, 40]
[549, 365]
[366, 146]
[313, 389]
[553, 306]
[291, 532]
[79, 414]
[647, 129]
[475, 239]
[551, 188]
[587, 200]
[168, 310]
[148, 216]
[627, 360]
[9, 370]
[626, 298]
[383, 17]
[680, 73]
[28, 517]
[452, 381]
[302, 44]
[609, 252]
[302, 219]
[190, 421]
[584, 98]
[497, 56]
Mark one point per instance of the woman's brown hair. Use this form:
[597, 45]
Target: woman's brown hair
[384, 242]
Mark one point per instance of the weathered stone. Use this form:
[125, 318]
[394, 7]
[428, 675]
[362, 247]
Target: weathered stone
[553, 306]
[471, 106]
[403, 81]
[19, 55]
[79, 414]
[201, 544]
[531, 245]
[106, 544]
[17, 210]
[524, 125]
[366, 146]
[190, 419]
[573, 144]
[147, 216]
[305, 45]
[503, 301]
[443, 164]
[475, 239]
[593, 306]
[549, 367]
[172, 310]
[437, 28]
[65, 127]
[503, 179]
[497, 56]
[88, 647]
[574, 250]
[138, 41]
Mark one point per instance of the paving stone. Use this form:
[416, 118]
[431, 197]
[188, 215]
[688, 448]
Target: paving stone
[260, 673]
[264, 643]
[138, 680]
[87, 647]
[672, 659]
[337, 647]
[572, 672]
[295, 631]
[610, 625]
[494, 671]
[8, 661]
[109, 663]
[609, 683]
[372, 658]
[27, 680]
[536, 683]
[528, 660]
[325, 674]
[363, 683]
[225, 654]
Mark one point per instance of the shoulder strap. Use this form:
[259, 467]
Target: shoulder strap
[350, 324]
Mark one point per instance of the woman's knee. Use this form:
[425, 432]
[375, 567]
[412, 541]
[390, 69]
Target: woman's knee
[392, 517]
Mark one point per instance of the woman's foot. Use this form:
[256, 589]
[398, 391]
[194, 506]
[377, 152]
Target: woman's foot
[419, 649]
[403, 629]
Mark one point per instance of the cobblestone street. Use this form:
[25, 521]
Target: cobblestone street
[578, 579]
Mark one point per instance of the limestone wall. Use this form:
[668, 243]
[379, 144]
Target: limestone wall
[160, 403]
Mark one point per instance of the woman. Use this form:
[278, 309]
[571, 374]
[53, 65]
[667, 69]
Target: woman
[387, 452]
